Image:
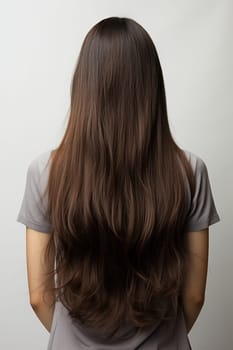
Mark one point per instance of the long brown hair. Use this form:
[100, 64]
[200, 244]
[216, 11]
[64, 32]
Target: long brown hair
[117, 187]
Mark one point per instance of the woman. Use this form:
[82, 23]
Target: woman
[126, 211]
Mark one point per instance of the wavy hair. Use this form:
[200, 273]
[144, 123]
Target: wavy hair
[117, 187]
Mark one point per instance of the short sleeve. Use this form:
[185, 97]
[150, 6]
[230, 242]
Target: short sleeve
[33, 209]
[202, 212]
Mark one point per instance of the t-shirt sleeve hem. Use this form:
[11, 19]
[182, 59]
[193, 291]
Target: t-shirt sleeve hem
[202, 224]
[33, 225]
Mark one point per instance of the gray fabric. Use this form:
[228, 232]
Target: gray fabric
[201, 213]
[33, 207]
[64, 335]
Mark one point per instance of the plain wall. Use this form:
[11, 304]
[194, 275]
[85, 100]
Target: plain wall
[40, 42]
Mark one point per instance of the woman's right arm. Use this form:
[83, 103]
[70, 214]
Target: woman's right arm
[195, 275]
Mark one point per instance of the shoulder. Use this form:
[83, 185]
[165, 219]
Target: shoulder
[39, 165]
[197, 163]
[201, 210]
[38, 170]
[33, 211]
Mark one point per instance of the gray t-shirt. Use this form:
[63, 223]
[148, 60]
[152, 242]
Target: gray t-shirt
[65, 334]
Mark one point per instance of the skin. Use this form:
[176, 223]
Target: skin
[193, 289]
[195, 276]
[35, 245]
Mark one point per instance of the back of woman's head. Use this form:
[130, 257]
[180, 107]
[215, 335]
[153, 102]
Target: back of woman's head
[117, 186]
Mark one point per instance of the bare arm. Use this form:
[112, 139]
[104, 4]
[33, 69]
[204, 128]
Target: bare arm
[194, 282]
[35, 246]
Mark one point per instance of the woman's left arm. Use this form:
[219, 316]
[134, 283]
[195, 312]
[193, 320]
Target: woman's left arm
[36, 243]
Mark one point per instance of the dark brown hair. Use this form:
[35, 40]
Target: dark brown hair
[117, 187]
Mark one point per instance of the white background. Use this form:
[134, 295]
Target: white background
[40, 42]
